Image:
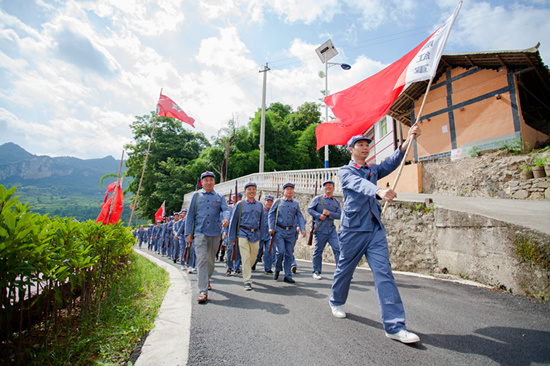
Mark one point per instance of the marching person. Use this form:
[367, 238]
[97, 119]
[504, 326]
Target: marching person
[324, 210]
[363, 234]
[175, 242]
[180, 238]
[141, 235]
[266, 238]
[204, 225]
[282, 218]
[233, 265]
[246, 227]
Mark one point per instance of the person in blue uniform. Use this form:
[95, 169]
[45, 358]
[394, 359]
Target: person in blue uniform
[282, 218]
[204, 225]
[175, 243]
[233, 265]
[263, 249]
[363, 234]
[246, 227]
[140, 235]
[167, 234]
[324, 209]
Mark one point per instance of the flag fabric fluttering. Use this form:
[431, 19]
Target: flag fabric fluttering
[110, 189]
[160, 212]
[116, 212]
[103, 216]
[167, 108]
[108, 216]
[362, 105]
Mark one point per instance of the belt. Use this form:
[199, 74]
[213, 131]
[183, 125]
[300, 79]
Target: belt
[249, 229]
[285, 227]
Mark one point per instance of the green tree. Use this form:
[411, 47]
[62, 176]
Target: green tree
[166, 178]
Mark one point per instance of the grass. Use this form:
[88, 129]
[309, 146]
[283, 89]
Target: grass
[109, 335]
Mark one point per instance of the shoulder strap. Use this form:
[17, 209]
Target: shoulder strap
[322, 204]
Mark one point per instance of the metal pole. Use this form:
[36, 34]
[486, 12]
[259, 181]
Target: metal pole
[326, 106]
[262, 124]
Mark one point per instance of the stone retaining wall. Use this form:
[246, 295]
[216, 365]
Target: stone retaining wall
[494, 174]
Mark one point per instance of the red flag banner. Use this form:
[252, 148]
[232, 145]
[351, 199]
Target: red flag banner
[160, 212]
[167, 108]
[362, 105]
[110, 188]
[104, 214]
[117, 206]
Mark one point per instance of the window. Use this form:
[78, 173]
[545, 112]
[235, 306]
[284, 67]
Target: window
[383, 127]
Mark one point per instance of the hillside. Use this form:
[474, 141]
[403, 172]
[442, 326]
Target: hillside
[62, 186]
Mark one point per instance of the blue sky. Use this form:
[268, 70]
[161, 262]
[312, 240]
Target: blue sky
[74, 74]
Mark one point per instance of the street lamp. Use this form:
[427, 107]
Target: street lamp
[325, 52]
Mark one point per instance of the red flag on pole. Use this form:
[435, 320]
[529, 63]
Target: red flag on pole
[110, 188]
[104, 214]
[167, 108]
[362, 105]
[160, 212]
[117, 205]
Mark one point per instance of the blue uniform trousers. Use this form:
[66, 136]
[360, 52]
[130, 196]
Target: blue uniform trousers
[267, 257]
[158, 244]
[236, 264]
[283, 242]
[321, 240]
[374, 246]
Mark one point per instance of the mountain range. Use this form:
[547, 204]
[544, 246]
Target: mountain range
[62, 186]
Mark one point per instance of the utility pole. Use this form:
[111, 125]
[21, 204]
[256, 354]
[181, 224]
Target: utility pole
[262, 125]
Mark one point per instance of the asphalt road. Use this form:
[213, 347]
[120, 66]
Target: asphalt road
[291, 324]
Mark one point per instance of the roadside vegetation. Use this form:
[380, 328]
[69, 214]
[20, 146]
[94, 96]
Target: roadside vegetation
[72, 293]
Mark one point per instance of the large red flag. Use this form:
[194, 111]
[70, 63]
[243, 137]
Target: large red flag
[160, 212]
[362, 105]
[167, 108]
[117, 205]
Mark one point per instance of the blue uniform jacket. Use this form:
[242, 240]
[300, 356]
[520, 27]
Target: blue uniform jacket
[359, 187]
[288, 213]
[207, 219]
[251, 217]
[315, 209]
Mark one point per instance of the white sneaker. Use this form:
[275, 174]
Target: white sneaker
[338, 312]
[183, 268]
[191, 270]
[404, 336]
[317, 276]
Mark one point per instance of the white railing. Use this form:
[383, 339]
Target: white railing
[304, 181]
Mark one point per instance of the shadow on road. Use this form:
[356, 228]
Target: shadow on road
[504, 345]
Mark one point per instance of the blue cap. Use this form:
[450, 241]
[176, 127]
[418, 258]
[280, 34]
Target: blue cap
[328, 181]
[354, 139]
[182, 211]
[288, 185]
[268, 197]
[250, 184]
[240, 195]
[207, 174]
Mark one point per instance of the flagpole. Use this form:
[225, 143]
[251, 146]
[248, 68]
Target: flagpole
[144, 165]
[417, 119]
[118, 186]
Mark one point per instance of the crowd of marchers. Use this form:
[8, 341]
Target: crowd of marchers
[248, 232]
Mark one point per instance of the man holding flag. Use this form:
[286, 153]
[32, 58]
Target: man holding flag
[363, 234]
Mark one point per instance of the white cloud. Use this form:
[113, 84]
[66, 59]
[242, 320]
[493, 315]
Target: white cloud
[518, 26]
[144, 17]
[378, 12]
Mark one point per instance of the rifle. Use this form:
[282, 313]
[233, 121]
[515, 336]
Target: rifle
[310, 240]
[234, 254]
[270, 249]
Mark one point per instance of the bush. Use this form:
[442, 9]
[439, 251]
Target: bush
[57, 260]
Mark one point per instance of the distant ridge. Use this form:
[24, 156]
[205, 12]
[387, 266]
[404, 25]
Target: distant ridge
[63, 186]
